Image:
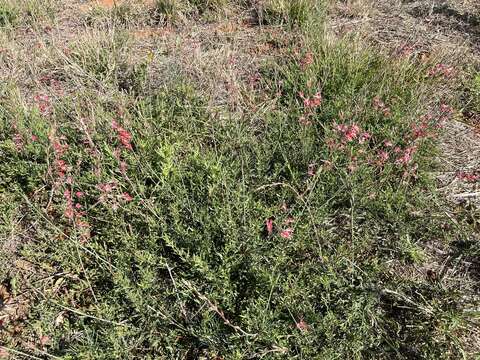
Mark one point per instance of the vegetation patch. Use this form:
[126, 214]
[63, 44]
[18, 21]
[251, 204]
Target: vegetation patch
[147, 223]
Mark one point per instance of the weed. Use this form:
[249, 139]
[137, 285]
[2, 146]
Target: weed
[292, 13]
[8, 14]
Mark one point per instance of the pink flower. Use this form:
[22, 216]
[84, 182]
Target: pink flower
[124, 136]
[78, 206]
[383, 156]
[18, 141]
[287, 233]
[444, 108]
[378, 104]
[420, 131]
[349, 133]
[364, 137]
[405, 50]
[468, 177]
[127, 197]
[123, 167]
[306, 61]
[406, 157]
[79, 194]
[269, 226]
[61, 168]
[302, 325]
[59, 149]
[69, 212]
[313, 102]
[304, 121]
[106, 187]
[67, 195]
[43, 104]
[441, 69]
[352, 132]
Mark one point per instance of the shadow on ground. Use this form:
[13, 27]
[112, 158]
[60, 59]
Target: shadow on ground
[444, 15]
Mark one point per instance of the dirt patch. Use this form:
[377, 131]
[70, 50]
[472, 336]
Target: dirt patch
[111, 4]
[460, 163]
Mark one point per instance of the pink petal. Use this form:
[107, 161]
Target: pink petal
[127, 197]
[287, 233]
[269, 226]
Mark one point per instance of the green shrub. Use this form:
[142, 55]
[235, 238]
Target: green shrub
[8, 14]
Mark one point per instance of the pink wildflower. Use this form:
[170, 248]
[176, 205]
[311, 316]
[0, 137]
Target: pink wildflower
[269, 226]
[306, 61]
[69, 212]
[304, 121]
[352, 132]
[106, 187]
[383, 156]
[405, 50]
[420, 131]
[441, 69]
[311, 103]
[302, 325]
[59, 148]
[349, 133]
[61, 168]
[364, 137]
[79, 194]
[468, 177]
[124, 136]
[123, 167]
[407, 155]
[18, 141]
[67, 195]
[127, 197]
[43, 104]
[287, 233]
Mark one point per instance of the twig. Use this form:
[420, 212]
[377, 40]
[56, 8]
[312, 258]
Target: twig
[78, 312]
[184, 312]
[349, 23]
[466, 195]
[218, 311]
[21, 353]
[406, 299]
